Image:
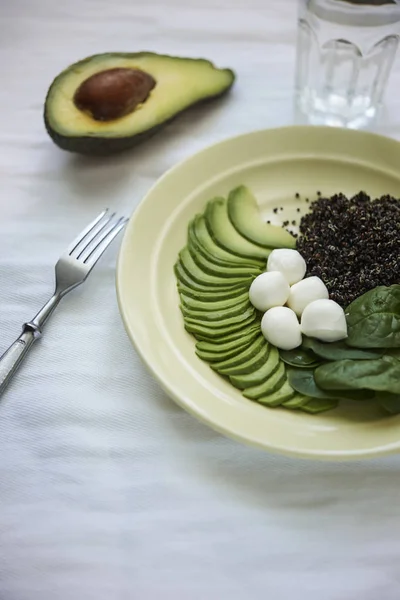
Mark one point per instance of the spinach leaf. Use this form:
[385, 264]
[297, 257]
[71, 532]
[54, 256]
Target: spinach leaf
[299, 357]
[304, 382]
[390, 402]
[381, 374]
[395, 352]
[373, 319]
[338, 350]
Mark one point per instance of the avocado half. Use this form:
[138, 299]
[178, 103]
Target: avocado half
[109, 102]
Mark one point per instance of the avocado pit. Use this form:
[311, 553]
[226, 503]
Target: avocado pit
[113, 93]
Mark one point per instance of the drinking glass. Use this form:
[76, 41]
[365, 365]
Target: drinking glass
[345, 52]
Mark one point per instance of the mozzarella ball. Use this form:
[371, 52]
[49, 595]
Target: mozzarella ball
[324, 320]
[306, 291]
[269, 289]
[281, 328]
[288, 262]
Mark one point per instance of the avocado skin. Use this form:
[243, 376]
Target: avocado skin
[101, 146]
[93, 146]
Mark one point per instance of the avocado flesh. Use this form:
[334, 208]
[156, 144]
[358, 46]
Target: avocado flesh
[243, 356]
[225, 235]
[209, 334]
[296, 402]
[222, 323]
[186, 279]
[180, 83]
[268, 386]
[210, 305]
[258, 375]
[282, 394]
[231, 351]
[219, 294]
[215, 253]
[218, 348]
[248, 366]
[236, 313]
[230, 336]
[245, 216]
[317, 405]
[197, 274]
[225, 270]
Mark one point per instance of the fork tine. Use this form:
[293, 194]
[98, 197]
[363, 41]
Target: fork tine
[103, 226]
[78, 240]
[103, 243]
[92, 244]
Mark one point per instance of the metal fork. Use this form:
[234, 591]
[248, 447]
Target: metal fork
[71, 270]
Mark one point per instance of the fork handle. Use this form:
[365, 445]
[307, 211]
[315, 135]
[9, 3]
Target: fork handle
[15, 354]
[31, 331]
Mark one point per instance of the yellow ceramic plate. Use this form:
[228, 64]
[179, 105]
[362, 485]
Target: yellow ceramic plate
[275, 164]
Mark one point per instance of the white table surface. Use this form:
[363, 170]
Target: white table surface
[108, 491]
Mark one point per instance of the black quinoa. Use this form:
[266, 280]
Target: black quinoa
[352, 244]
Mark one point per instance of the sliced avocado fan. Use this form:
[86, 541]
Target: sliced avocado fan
[226, 248]
[109, 102]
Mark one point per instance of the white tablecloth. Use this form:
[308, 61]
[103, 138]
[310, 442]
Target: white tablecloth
[107, 489]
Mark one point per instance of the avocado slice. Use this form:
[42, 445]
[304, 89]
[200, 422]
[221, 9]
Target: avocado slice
[248, 366]
[218, 294]
[218, 315]
[197, 274]
[279, 396]
[232, 350]
[109, 102]
[273, 383]
[210, 305]
[219, 348]
[214, 253]
[245, 215]
[230, 336]
[259, 375]
[296, 402]
[225, 235]
[202, 332]
[318, 405]
[242, 356]
[226, 270]
[221, 322]
[184, 278]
